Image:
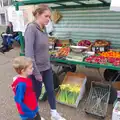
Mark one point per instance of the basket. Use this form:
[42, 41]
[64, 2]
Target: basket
[101, 46]
[97, 101]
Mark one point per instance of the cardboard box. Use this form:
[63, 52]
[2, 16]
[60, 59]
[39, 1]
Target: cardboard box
[116, 85]
[116, 111]
[75, 78]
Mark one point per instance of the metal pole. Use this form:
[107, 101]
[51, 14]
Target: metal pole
[2, 3]
[8, 3]
[20, 35]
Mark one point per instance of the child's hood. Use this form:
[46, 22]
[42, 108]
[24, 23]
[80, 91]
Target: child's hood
[15, 81]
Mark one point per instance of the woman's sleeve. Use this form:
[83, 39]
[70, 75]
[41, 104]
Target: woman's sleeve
[29, 36]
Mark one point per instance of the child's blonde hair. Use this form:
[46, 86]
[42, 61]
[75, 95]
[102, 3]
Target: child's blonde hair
[21, 63]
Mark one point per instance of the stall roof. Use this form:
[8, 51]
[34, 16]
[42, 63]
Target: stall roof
[65, 3]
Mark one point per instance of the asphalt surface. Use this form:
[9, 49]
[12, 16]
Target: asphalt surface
[7, 106]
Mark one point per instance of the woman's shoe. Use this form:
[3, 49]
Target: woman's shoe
[57, 116]
[42, 118]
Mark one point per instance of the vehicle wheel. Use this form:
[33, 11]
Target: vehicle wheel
[113, 95]
[110, 75]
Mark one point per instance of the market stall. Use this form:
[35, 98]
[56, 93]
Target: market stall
[93, 55]
[98, 48]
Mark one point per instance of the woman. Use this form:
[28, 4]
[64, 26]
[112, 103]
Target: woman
[37, 47]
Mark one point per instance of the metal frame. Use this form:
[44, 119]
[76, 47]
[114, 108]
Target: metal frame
[61, 3]
[29, 2]
[81, 6]
[85, 64]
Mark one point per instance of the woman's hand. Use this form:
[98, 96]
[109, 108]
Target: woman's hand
[38, 77]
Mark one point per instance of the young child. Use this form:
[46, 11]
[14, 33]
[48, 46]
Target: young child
[25, 97]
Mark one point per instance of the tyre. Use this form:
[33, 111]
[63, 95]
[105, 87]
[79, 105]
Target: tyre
[110, 75]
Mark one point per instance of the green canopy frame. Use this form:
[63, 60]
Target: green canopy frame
[59, 4]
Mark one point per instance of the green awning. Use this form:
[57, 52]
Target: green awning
[65, 3]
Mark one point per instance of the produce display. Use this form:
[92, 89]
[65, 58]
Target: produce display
[63, 52]
[103, 60]
[76, 53]
[96, 59]
[72, 89]
[110, 53]
[101, 43]
[100, 46]
[86, 43]
[69, 93]
[114, 61]
[111, 57]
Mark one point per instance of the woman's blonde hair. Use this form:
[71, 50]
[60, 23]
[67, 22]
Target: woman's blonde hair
[40, 9]
[21, 63]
